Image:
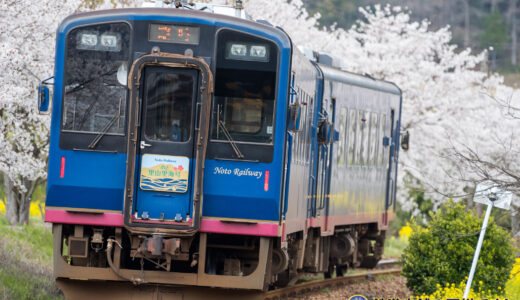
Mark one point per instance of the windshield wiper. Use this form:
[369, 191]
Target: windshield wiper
[98, 137]
[230, 139]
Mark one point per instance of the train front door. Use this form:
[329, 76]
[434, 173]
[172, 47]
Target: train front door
[165, 150]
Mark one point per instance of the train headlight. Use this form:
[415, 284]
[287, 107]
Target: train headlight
[250, 52]
[91, 40]
[258, 52]
[109, 41]
[238, 50]
[87, 40]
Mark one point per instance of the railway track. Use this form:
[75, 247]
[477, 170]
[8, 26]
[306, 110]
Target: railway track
[122, 290]
[389, 264]
[384, 268]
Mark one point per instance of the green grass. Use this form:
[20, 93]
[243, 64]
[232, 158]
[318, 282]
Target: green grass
[325, 290]
[394, 247]
[39, 193]
[26, 261]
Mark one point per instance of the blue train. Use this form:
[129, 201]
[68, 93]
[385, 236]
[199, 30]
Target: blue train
[191, 146]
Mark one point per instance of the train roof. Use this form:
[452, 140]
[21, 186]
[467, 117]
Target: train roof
[335, 74]
[331, 67]
[210, 17]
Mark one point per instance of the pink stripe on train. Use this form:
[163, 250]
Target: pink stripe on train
[100, 219]
[115, 219]
[259, 229]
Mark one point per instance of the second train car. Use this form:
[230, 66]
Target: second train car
[193, 148]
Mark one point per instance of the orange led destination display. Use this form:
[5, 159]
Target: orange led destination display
[174, 34]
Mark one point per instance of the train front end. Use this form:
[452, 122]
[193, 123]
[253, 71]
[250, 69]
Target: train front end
[166, 152]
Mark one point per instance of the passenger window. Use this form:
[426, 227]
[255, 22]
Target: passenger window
[363, 137]
[342, 133]
[309, 127]
[352, 137]
[346, 137]
[372, 156]
[382, 129]
[306, 130]
[302, 132]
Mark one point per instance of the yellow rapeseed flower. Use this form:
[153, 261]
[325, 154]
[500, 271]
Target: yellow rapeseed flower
[34, 210]
[406, 231]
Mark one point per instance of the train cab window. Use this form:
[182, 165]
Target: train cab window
[245, 85]
[352, 137]
[95, 89]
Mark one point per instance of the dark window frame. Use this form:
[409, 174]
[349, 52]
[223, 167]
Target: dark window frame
[79, 140]
[253, 151]
[276, 88]
[194, 101]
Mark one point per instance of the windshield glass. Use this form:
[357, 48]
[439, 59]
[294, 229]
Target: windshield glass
[244, 103]
[245, 85]
[95, 87]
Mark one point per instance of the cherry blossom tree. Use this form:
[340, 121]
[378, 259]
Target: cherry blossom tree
[27, 41]
[454, 111]
[450, 106]
[26, 57]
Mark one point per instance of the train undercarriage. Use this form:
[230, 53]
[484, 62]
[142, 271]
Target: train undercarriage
[100, 254]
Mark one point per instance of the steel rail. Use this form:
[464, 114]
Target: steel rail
[317, 285]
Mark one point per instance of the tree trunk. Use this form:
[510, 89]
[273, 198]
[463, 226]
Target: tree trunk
[512, 11]
[18, 203]
[466, 23]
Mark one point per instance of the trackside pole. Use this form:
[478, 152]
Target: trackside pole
[477, 250]
[486, 193]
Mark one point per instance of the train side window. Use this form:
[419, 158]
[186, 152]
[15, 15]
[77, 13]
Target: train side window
[352, 137]
[306, 130]
[346, 138]
[373, 139]
[362, 137]
[377, 138]
[299, 135]
[342, 133]
[300, 143]
[382, 129]
[309, 127]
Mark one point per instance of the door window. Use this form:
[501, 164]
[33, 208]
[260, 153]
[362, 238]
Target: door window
[168, 105]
